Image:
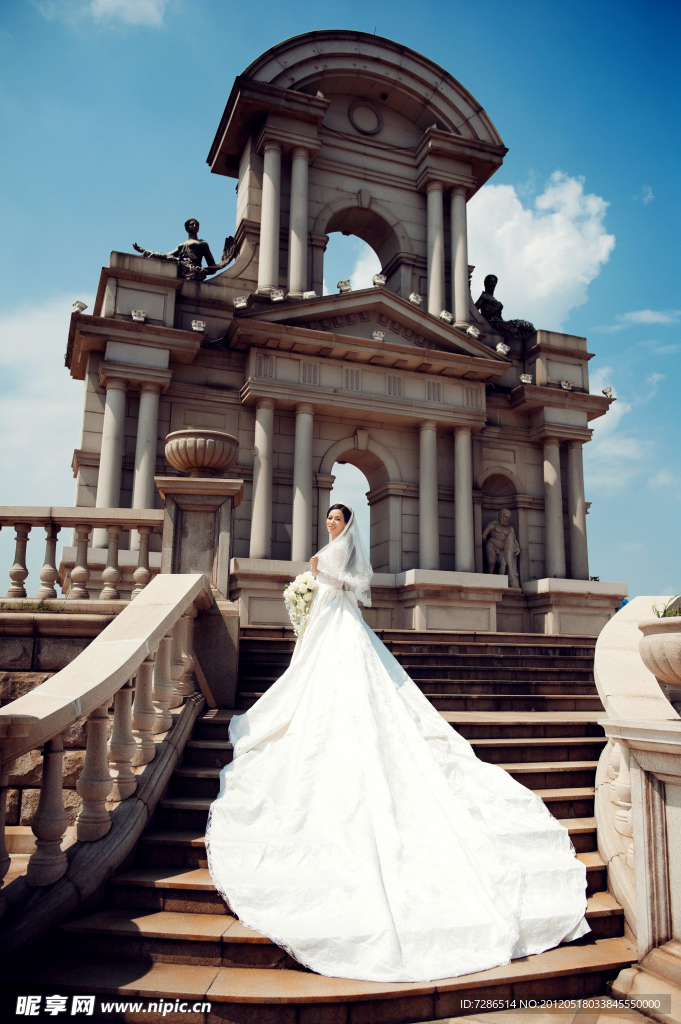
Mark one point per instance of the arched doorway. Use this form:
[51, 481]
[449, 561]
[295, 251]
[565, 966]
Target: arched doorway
[349, 257]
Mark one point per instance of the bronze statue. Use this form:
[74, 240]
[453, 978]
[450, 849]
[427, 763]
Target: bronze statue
[491, 309]
[189, 255]
[501, 545]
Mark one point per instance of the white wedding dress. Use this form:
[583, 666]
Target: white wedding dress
[359, 831]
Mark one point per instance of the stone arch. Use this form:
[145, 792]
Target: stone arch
[375, 461]
[486, 476]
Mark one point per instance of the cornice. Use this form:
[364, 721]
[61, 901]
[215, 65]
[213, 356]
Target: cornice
[91, 333]
[528, 398]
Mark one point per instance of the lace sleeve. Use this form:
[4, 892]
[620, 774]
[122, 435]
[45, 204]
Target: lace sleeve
[330, 580]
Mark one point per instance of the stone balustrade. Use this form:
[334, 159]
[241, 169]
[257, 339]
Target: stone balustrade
[84, 521]
[141, 665]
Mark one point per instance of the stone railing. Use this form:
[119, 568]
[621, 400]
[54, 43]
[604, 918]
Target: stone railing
[142, 665]
[83, 521]
[638, 802]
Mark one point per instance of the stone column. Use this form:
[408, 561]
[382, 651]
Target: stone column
[144, 490]
[297, 239]
[553, 510]
[301, 533]
[111, 455]
[579, 556]
[464, 542]
[325, 482]
[318, 244]
[459, 232]
[436, 248]
[429, 524]
[261, 508]
[268, 265]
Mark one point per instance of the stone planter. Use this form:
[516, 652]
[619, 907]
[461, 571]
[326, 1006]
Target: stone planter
[200, 452]
[660, 650]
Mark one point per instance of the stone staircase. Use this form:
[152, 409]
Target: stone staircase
[525, 702]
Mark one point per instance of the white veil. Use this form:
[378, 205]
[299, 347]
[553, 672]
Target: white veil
[345, 559]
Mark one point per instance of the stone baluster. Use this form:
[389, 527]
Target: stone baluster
[50, 821]
[436, 248]
[122, 746]
[261, 505]
[144, 714]
[94, 784]
[188, 684]
[268, 259]
[163, 686]
[49, 572]
[141, 574]
[19, 572]
[4, 856]
[111, 574]
[622, 786]
[176, 665]
[613, 769]
[301, 530]
[80, 573]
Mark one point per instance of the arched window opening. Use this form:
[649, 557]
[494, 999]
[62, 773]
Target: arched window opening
[346, 257]
[351, 488]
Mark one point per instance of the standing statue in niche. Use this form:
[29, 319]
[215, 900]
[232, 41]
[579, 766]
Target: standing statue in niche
[189, 255]
[501, 545]
[491, 308]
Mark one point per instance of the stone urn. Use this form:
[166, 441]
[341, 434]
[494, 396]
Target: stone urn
[201, 452]
[660, 650]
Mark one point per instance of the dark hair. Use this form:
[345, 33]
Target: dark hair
[189, 221]
[344, 509]
[491, 277]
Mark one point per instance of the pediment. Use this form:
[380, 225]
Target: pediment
[361, 314]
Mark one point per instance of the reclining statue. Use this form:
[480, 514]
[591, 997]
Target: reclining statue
[491, 309]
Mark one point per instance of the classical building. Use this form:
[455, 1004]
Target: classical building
[452, 417]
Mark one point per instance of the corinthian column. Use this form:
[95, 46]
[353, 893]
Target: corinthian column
[301, 533]
[111, 454]
[429, 523]
[464, 543]
[297, 242]
[268, 261]
[460, 287]
[261, 511]
[436, 248]
[579, 556]
[553, 510]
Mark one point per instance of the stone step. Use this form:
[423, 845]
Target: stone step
[436, 684]
[582, 833]
[214, 724]
[558, 748]
[527, 702]
[209, 753]
[525, 725]
[566, 972]
[533, 662]
[221, 940]
[569, 802]
[441, 636]
[553, 774]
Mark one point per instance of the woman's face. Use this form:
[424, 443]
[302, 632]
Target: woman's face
[335, 522]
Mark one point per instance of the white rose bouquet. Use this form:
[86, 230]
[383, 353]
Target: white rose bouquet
[298, 598]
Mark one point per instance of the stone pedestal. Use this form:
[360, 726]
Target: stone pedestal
[197, 537]
[579, 607]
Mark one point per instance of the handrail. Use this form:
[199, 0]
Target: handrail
[159, 620]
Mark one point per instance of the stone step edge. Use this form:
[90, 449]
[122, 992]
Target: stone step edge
[199, 878]
[183, 927]
[196, 838]
[266, 987]
[518, 768]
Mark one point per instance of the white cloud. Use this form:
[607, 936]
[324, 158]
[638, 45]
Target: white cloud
[642, 316]
[645, 196]
[132, 12]
[662, 479]
[366, 266]
[40, 407]
[544, 257]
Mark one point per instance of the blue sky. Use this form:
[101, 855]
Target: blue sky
[108, 109]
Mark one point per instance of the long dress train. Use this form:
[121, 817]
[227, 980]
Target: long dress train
[360, 832]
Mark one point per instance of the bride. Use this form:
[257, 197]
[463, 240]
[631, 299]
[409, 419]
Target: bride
[359, 831]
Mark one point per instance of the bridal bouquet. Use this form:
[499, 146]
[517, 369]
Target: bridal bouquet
[298, 598]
